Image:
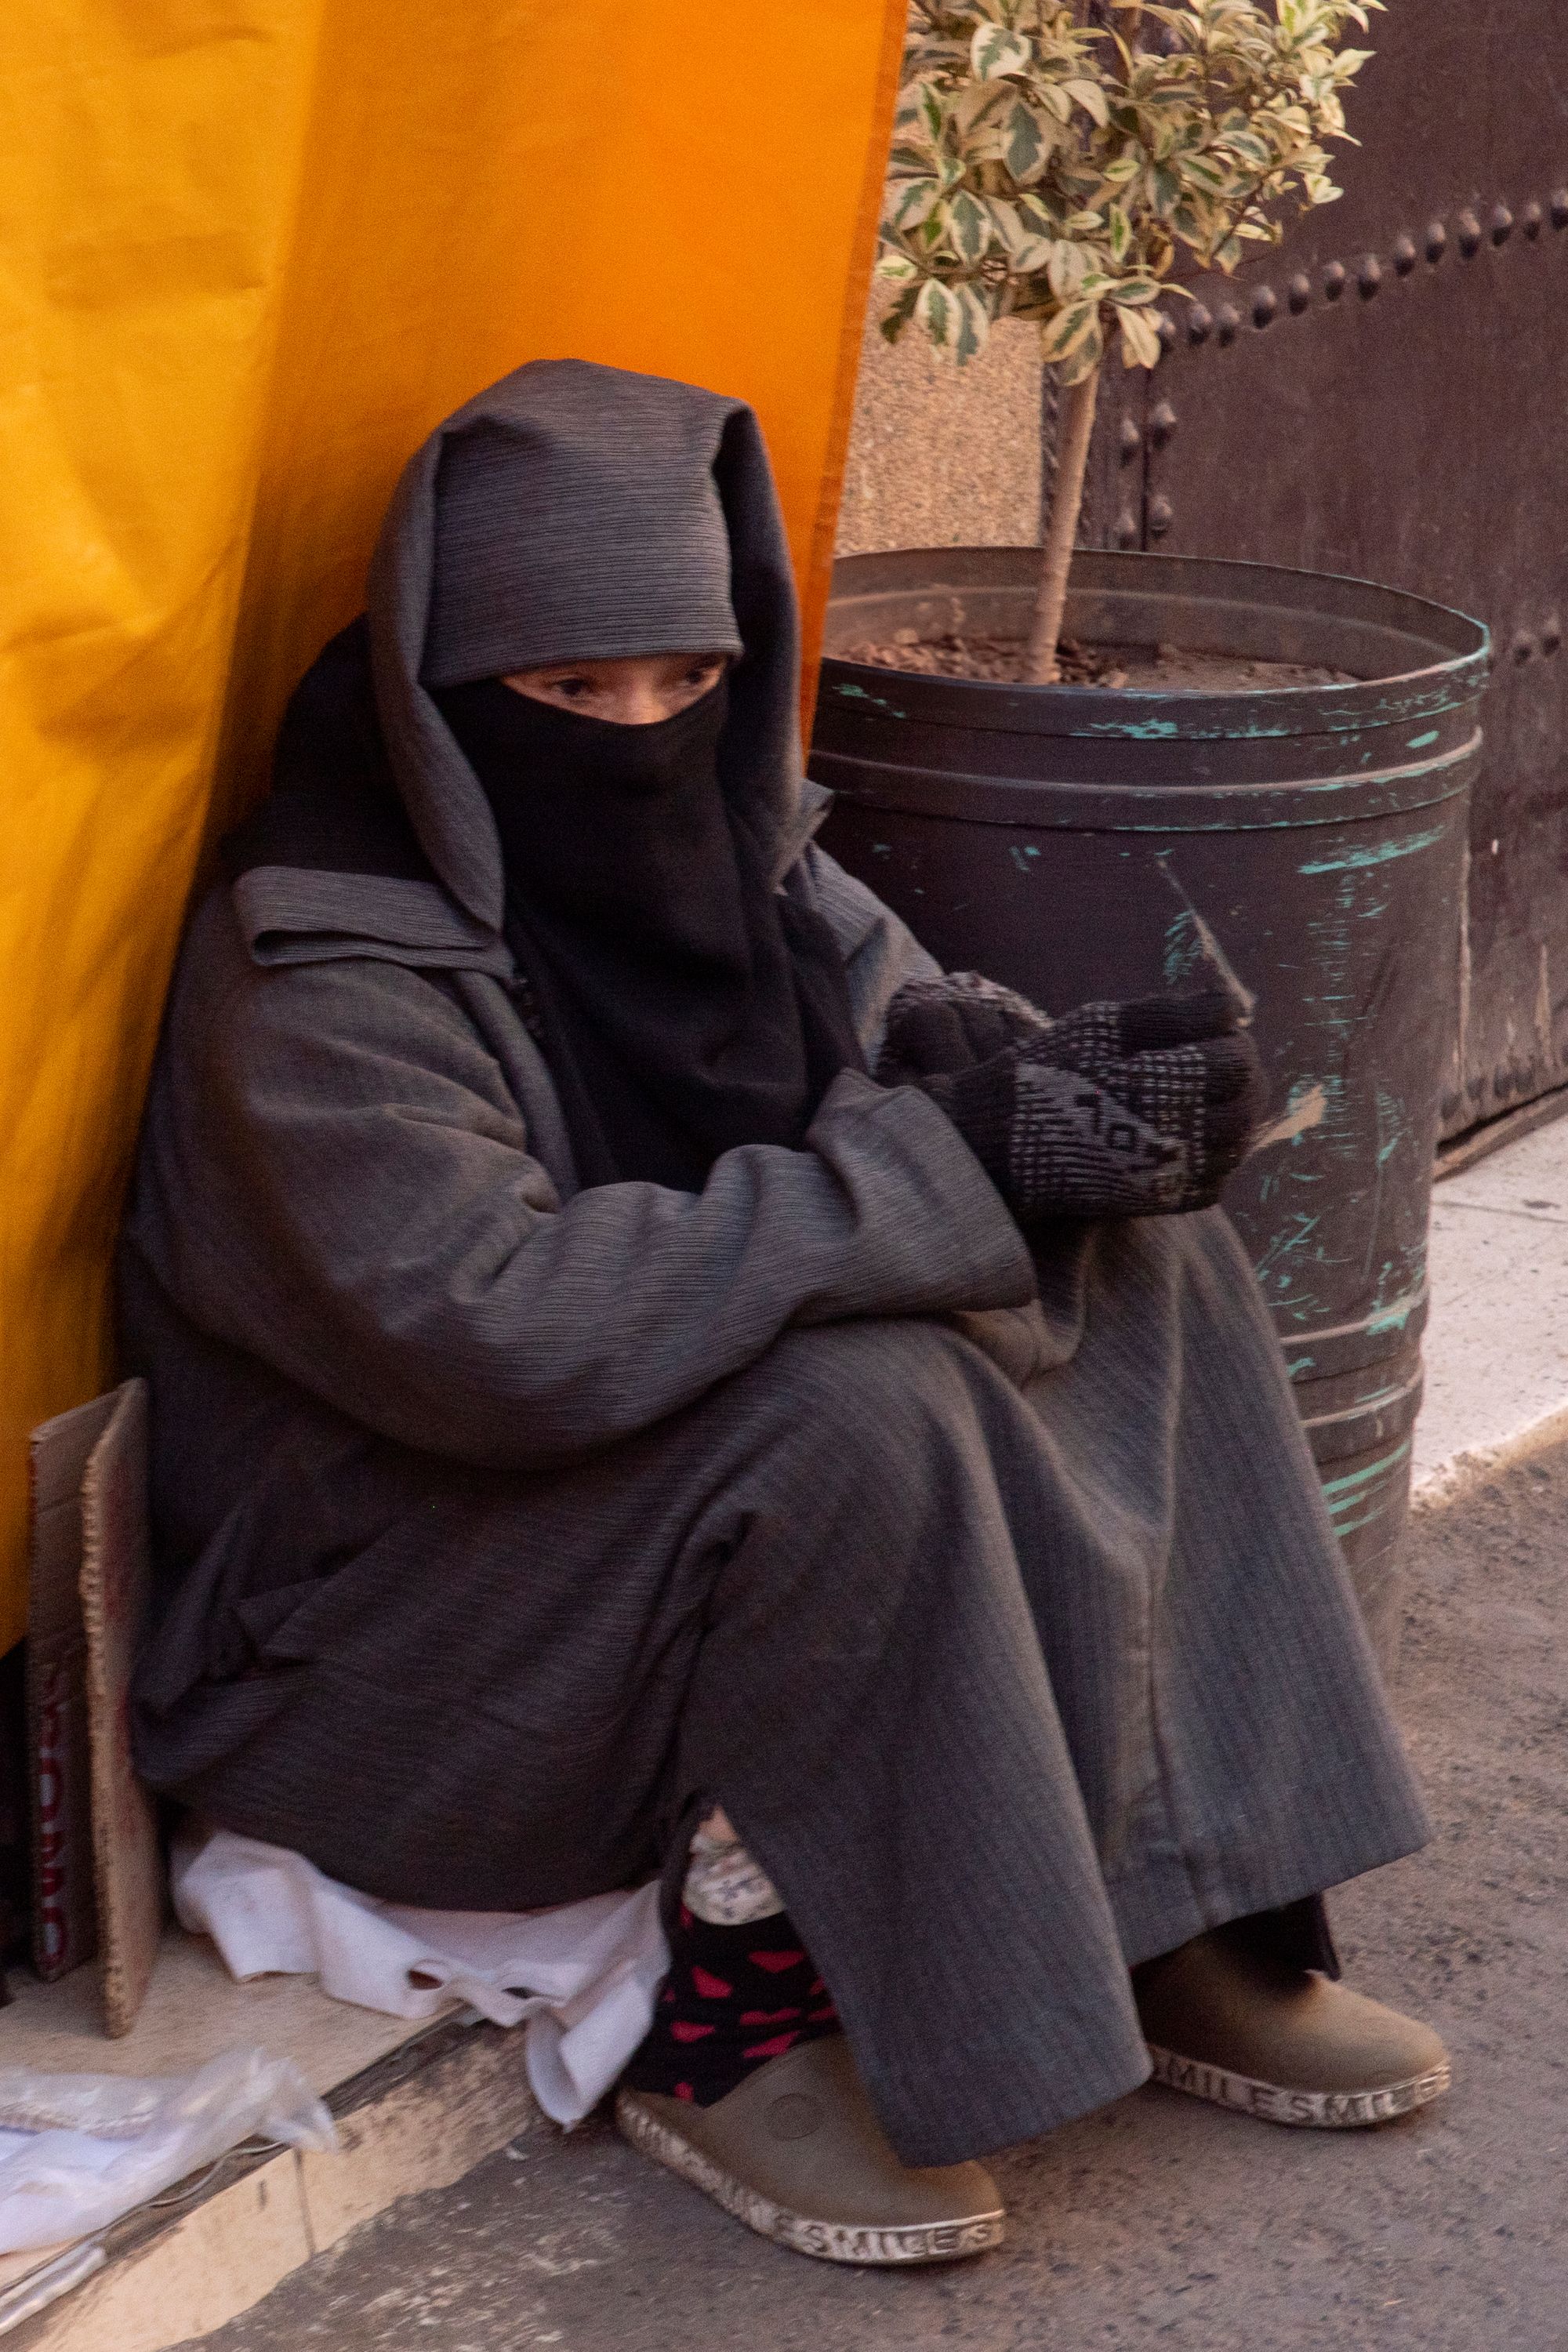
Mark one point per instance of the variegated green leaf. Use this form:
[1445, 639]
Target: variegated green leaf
[912, 120]
[1081, 364]
[995, 51]
[1006, 222]
[1027, 250]
[937, 311]
[1091, 98]
[910, 201]
[1187, 221]
[974, 325]
[1035, 214]
[1025, 149]
[1068, 267]
[930, 110]
[896, 316]
[1250, 147]
[1141, 345]
[977, 103]
[898, 268]
[1072, 325]
[968, 227]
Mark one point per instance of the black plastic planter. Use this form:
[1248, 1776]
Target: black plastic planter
[1081, 843]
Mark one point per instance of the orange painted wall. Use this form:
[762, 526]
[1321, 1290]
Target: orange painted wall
[253, 250]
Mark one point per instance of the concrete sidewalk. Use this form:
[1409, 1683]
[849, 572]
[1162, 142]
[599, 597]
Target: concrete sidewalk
[1496, 1347]
[1159, 2221]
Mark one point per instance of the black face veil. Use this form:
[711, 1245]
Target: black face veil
[687, 1005]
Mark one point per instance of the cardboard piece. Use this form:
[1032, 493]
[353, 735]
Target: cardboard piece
[97, 1871]
[64, 1930]
[116, 1570]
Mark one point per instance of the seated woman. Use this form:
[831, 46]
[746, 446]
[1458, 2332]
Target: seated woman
[642, 1362]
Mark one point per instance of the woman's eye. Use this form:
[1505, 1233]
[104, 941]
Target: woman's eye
[575, 690]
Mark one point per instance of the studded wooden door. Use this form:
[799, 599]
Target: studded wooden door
[1386, 395]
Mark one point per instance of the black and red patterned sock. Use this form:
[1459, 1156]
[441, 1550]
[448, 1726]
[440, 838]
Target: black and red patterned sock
[734, 1998]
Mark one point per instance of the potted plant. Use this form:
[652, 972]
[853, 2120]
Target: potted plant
[1259, 768]
[1057, 161]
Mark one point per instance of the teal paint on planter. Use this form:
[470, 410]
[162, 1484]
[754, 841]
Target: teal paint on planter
[1310, 840]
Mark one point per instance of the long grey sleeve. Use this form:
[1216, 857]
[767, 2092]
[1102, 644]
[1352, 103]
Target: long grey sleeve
[881, 952]
[335, 1178]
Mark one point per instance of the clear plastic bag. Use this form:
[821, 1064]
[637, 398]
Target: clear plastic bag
[78, 2150]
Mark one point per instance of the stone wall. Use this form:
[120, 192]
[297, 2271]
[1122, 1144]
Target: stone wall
[942, 456]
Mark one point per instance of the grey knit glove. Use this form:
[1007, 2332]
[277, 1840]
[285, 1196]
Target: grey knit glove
[963, 1019]
[1135, 1110]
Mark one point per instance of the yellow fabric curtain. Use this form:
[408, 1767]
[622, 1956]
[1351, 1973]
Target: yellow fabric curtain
[250, 251]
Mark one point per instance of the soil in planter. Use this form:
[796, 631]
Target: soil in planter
[1162, 669]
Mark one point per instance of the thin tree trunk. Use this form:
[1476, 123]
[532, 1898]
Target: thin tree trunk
[1075, 427]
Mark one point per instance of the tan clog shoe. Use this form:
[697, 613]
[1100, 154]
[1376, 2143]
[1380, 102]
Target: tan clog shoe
[795, 2153]
[1286, 2045]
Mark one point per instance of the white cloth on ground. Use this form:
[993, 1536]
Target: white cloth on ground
[583, 1975]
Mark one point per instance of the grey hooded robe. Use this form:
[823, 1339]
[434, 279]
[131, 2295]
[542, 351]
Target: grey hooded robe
[992, 1594]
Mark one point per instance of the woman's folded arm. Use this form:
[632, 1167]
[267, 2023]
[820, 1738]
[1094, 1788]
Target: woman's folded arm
[335, 1178]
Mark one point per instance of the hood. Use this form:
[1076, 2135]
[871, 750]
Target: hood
[613, 472]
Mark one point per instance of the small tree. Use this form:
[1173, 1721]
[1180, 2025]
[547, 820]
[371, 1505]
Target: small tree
[1058, 160]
